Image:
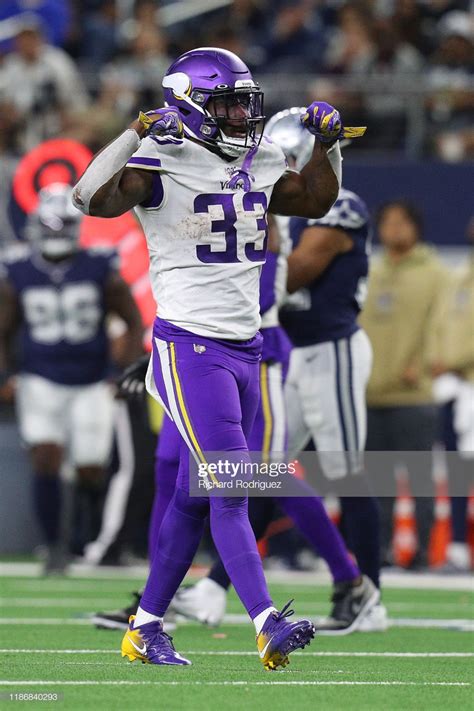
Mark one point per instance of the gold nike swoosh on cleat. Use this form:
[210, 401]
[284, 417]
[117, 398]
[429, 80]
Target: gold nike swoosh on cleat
[262, 653]
[140, 650]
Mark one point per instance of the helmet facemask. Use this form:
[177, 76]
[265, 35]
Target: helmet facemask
[233, 117]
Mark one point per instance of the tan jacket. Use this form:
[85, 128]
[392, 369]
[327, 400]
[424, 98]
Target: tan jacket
[457, 330]
[402, 320]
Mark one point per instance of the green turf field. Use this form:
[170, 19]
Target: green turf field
[47, 645]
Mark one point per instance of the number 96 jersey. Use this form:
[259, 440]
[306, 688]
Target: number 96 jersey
[206, 230]
[62, 304]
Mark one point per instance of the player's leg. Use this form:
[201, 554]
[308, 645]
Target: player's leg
[304, 410]
[206, 600]
[166, 472]
[360, 510]
[41, 405]
[91, 417]
[329, 415]
[212, 397]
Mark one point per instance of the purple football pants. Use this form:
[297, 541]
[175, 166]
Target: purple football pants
[268, 434]
[211, 390]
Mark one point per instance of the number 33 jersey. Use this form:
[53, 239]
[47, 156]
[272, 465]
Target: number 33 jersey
[62, 336]
[206, 230]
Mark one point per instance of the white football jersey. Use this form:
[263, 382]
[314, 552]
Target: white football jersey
[206, 227]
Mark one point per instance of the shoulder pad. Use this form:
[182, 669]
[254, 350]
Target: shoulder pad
[349, 212]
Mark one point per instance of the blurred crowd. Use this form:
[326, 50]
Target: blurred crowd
[82, 68]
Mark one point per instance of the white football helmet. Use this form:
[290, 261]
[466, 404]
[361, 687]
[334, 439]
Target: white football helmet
[287, 131]
[55, 224]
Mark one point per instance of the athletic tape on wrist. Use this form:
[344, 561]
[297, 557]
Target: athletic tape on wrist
[112, 159]
[335, 158]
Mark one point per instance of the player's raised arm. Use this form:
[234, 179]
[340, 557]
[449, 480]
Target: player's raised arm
[108, 188]
[312, 191]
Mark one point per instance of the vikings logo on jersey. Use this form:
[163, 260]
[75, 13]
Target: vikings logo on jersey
[238, 180]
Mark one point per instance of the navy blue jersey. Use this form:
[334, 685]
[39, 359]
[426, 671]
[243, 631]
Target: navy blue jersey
[63, 336]
[327, 309]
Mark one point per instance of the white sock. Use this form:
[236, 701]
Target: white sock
[259, 621]
[143, 618]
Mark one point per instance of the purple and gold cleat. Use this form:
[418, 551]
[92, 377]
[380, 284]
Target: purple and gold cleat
[278, 638]
[150, 644]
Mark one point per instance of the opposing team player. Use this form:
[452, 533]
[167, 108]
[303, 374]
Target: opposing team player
[331, 360]
[202, 200]
[57, 297]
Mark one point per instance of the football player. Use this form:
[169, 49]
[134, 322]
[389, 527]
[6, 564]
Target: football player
[206, 600]
[201, 192]
[56, 298]
[331, 358]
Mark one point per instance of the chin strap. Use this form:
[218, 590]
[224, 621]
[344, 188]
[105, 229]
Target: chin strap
[243, 175]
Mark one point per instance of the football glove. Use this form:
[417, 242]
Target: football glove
[131, 383]
[162, 122]
[324, 122]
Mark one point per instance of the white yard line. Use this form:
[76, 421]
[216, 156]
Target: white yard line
[234, 653]
[242, 682]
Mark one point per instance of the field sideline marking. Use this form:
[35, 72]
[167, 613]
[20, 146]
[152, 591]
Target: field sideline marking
[230, 653]
[183, 682]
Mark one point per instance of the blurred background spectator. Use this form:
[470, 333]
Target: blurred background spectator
[41, 82]
[401, 318]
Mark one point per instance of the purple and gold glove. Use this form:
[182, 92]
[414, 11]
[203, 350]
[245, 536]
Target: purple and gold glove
[162, 122]
[324, 122]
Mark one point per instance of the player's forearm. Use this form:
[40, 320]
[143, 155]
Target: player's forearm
[98, 192]
[302, 271]
[322, 176]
